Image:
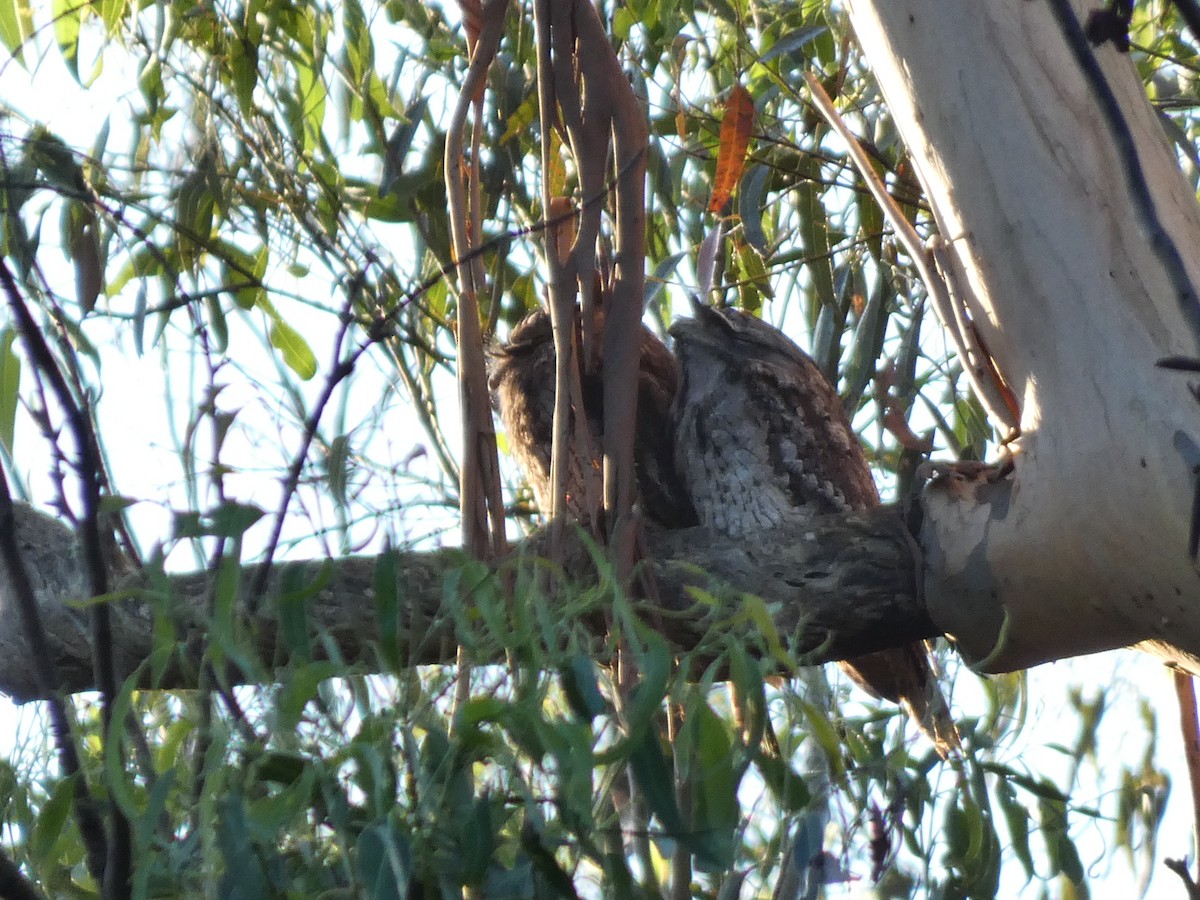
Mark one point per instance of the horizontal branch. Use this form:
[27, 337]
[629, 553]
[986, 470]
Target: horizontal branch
[838, 587]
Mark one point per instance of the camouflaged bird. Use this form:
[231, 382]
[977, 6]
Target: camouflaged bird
[523, 381]
[761, 438]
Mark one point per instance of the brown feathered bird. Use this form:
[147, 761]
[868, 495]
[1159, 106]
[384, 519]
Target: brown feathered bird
[761, 439]
[523, 382]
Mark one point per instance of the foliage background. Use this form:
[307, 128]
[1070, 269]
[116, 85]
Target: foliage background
[236, 267]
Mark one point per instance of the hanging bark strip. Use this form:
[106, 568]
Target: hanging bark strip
[480, 498]
[554, 26]
[584, 93]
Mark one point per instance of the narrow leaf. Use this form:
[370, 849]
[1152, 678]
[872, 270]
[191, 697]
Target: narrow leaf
[706, 261]
[653, 776]
[296, 353]
[67, 14]
[16, 26]
[656, 282]
[750, 206]
[716, 812]
[793, 41]
[83, 244]
[10, 385]
[112, 11]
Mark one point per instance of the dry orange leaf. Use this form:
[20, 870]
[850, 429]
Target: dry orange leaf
[735, 139]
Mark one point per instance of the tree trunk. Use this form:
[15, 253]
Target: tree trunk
[1084, 547]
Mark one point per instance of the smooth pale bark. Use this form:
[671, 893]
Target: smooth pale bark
[838, 587]
[1084, 548]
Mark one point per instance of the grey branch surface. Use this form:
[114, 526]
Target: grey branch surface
[842, 586]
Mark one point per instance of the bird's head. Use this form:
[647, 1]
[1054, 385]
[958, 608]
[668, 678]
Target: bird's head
[733, 336]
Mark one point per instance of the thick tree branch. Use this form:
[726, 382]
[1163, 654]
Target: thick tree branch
[839, 587]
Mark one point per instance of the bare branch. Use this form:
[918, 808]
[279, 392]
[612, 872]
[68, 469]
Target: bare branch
[839, 587]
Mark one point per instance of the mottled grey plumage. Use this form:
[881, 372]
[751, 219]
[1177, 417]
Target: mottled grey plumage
[523, 382]
[761, 438]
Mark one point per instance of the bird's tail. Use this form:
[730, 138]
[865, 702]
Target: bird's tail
[906, 676]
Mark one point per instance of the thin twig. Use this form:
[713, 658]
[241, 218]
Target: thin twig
[114, 873]
[340, 372]
[1189, 726]
[91, 828]
[934, 269]
[1180, 868]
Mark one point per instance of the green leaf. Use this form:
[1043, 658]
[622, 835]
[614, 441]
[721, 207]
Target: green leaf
[578, 680]
[750, 694]
[116, 780]
[868, 342]
[293, 613]
[790, 43]
[716, 812]
[656, 782]
[384, 862]
[194, 212]
[750, 206]
[57, 161]
[16, 27]
[754, 281]
[387, 605]
[143, 262]
[824, 733]
[82, 245]
[10, 387]
[139, 319]
[787, 785]
[112, 11]
[296, 353]
[232, 520]
[217, 322]
[521, 118]
[246, 270]
[399, 143]
[312, 95]
[299, 690]
[243, 70]
[814, 229]
[67, 16]
[51, 819]
[1060, 849]
[662, 272]
[557, 881]
[339, 465]
[244, 875]
[1016, 817]
[654, 666]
